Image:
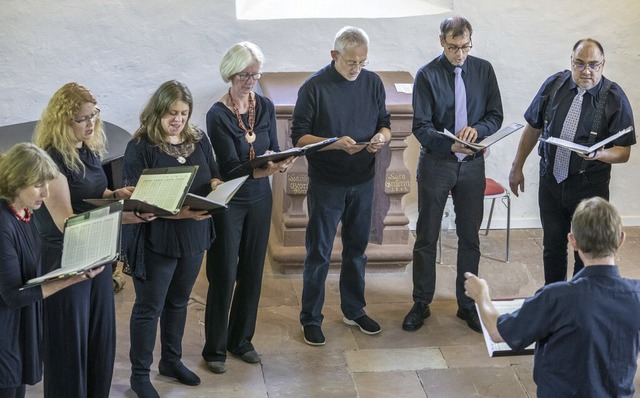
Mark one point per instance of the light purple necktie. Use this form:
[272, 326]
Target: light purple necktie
[460, 101]
[569, 127]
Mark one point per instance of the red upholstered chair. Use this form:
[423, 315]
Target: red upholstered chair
[493, 191]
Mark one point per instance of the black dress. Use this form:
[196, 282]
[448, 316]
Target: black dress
[79, 321]
[20, 311]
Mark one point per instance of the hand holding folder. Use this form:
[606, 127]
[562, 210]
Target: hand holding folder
[488, 141]
[262, 160]
[159, 191]
[583, 149]
[90, 240]
[218, 199]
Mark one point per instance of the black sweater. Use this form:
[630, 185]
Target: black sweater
[329, 105]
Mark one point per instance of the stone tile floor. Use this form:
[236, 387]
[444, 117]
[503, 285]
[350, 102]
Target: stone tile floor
[442, 359]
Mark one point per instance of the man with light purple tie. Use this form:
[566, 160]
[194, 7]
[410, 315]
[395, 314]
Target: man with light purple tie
[582, 106]
[459, 93]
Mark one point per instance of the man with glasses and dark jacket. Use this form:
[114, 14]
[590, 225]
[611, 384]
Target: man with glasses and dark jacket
[459, 93]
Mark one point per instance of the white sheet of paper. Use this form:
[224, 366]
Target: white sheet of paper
[404, 88]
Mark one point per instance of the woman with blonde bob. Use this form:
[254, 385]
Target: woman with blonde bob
[79, 334]
[241, 125]
[25, 173]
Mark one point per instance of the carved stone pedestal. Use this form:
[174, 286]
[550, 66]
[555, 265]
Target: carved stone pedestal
[391, 241]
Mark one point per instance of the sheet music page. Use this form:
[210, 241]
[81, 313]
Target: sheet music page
[583, 149]
[162, 190]
[500, 134]
[406, 88]
[90, 241]
[223, 193]
[503, 307]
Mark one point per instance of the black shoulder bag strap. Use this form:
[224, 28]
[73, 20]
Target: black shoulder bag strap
[598, 119]
[544, 148]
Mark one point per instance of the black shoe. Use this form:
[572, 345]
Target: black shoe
[249, 356]
[179, 371]
[416, 316]
[218, 367]
[313, 334]
[471, 316]
[366, 324]
[143, 387]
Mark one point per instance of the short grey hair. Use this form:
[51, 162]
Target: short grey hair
[238, 57]
[350, 36]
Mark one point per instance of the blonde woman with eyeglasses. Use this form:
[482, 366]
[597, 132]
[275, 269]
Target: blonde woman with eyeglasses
[79, 332]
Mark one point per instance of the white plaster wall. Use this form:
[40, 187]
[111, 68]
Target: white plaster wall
[123, 50]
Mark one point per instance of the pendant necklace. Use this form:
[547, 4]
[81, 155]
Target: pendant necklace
[249, 134]
[179, 151]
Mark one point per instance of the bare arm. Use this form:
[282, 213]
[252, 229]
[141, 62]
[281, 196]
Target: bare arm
[528, 141]
[59, 201]
[615, 154]
[478, 290]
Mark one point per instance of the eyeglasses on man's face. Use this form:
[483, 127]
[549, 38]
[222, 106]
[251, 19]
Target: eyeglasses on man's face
[454, 49]
[247, 76]
[593, 66]
[356, 64]
[86, 119]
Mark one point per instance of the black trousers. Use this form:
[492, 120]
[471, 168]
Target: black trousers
[466, 182]
[18, 392]
[557, 203]
[163, 295]
[235, 264]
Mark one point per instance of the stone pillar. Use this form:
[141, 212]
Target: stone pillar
[391, 241]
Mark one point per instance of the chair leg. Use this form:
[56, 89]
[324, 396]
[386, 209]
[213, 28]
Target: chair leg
[486, 231]
[440, 247]
[508, 226]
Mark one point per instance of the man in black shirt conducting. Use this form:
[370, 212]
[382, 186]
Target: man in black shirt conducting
[459, 93]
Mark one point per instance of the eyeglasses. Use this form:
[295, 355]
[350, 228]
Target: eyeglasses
[356, 64]
[85, 119]
[454, 49]
[593, 66]
[246, 76]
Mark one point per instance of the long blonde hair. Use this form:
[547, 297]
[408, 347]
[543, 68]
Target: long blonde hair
[54, 128]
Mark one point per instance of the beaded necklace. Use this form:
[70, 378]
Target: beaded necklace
[25, 218]
[249, 135]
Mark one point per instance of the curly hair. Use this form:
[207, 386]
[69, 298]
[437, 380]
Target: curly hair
[24, 165]
[159, 104]
[54, 130]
